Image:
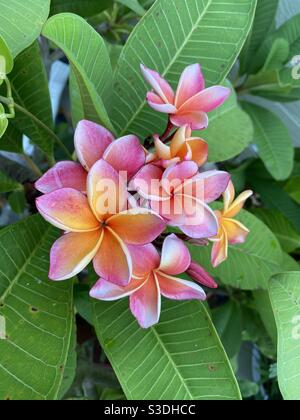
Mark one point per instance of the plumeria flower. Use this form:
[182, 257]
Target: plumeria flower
[98, 226]
[154, 276]
[192, 101]
[182, 147]
[180, 194]
[230, 231]
[92, 143]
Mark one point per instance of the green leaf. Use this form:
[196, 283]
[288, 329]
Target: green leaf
[249, 265]
[3, 121]
[293, 188]
[264, 19]
[84, 8]
[7, 184]
[177, 34]
[284, 292]
[12, 139]
[227, 320]
[89, 60]
[282, 228]
[273, 140]
[17, 201]
[21, 22]
[278, 55]
[133, 5]
[274, 197]
[6, 59]
[83, 302]
[38, 314]
[180, 358]
[30, 90]
[71, 365]
[289, 264]
[288, 31]
[229, 132]
[263, 306]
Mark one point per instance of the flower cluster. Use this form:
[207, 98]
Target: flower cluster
[115, 205]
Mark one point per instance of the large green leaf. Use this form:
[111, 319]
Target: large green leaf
[133, 5]
[293, 188]
[274, 197]
[289, 31]
[180, 358]
[288, 237]
[264, 19]
[38, 314]
[273, 140]
[263, 306]
[21, 22]
[7, 184]
[12, 139]
[177, 33]
[229, 132]
[90, 63]
[30, 90]
[284, 291]
[84, 8]
[228, 322]
[249, 265]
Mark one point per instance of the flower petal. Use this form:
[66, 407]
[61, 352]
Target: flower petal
[219, 250]
[196, 272]
[200, 221]
[145, 304]
[91, 141]
[175, 257]
[175, 175]
[126, 155]
[160, 85]
[138, 226]
[206, 101]
[159, 105]
[105, 290]
[68, 210]
[107, 192]
[207, 186]
[238, 204]
[196, 120]
[177, 289]
[191, 83]
[63, 175]
[113, 260]
[145, 258]
[229, 196]
[72, 252]
[147, 183]
[162, 150]
[236, 232]
[199, 150]
[179, 139]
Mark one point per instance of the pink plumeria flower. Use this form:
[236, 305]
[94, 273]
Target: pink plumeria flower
[97, 231]
[92, 143]
[181, 194]
[230, 231]
[183, 147]
[192, 101]
[154, 276]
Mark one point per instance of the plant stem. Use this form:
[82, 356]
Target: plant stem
[35, 169]
[38, 122]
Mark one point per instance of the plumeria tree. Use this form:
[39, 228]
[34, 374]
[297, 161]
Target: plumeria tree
[133, 135]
